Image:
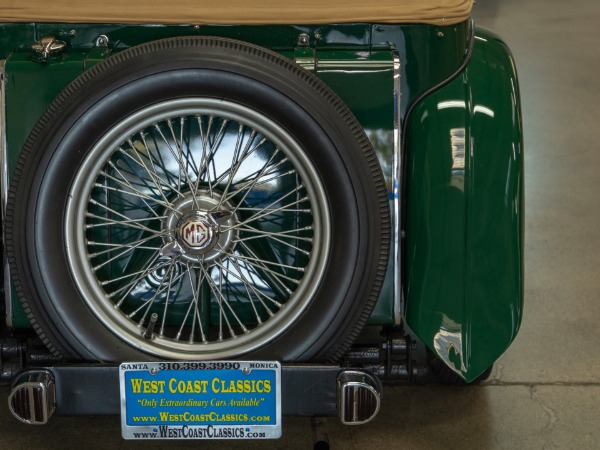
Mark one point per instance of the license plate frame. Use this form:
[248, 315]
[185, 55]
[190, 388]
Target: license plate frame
[200, 400]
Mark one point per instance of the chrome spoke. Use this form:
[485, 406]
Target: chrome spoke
[257, 263]
[182, 168]
[158, 180]
[109, 222]
[262, 261]
[132, 245]
[124, 252]
[208, 152]
[193, 305]
[139, 161]
[220, 300]
[148, 304]
[127, 219]
[132, 284]
[246, 155]
[134, 192]
[270, 236]
[282, 234]
[195, 302]
[249, 286]
[257, 216]
[237, 160]
[130, 275]
[253, 182]
[179, 162]
[166, 308]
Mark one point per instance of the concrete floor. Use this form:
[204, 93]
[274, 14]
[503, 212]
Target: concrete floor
[545, 391]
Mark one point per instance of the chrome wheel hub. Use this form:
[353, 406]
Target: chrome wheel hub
[199, 229]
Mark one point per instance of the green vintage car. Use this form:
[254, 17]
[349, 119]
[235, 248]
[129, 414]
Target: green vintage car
[193, 196]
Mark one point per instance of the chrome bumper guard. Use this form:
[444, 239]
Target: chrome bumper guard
[32, 397]
[359, 394]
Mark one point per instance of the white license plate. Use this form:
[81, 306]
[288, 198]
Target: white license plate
[201, 400]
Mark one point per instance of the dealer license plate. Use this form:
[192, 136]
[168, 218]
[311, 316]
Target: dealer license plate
[201, 400]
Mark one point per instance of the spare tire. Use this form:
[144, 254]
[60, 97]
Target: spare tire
[198, 198]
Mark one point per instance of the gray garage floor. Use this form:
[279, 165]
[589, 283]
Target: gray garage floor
[545, 392]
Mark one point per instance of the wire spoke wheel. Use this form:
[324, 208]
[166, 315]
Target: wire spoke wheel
[197, 225]
[198, 198]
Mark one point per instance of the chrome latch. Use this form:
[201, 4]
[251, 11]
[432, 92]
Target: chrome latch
[48, 46]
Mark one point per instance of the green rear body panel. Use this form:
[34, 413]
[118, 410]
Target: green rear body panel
[362, 75]
[464, 245]
[30, 88]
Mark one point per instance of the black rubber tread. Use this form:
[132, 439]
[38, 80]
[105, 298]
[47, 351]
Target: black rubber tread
[61, 106]
[386, 238]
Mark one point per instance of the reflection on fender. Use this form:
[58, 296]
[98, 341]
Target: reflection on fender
[448, 345]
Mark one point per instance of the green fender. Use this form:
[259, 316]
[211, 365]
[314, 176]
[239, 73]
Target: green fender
[464, 212]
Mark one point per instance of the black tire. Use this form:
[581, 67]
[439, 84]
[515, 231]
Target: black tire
[76, 151]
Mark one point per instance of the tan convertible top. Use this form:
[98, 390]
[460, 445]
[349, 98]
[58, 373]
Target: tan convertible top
[243, 12]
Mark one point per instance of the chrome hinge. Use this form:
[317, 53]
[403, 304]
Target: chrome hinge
[304, 54]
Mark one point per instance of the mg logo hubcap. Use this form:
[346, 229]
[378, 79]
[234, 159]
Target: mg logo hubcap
[197, 234]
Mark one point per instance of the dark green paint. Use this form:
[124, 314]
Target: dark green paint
[14, 37]
[464, 235]
[27, 96]
[30, 87]
[465, 213]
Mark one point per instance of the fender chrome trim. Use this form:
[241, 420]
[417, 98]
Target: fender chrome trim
[4, 193]
[397, 190]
